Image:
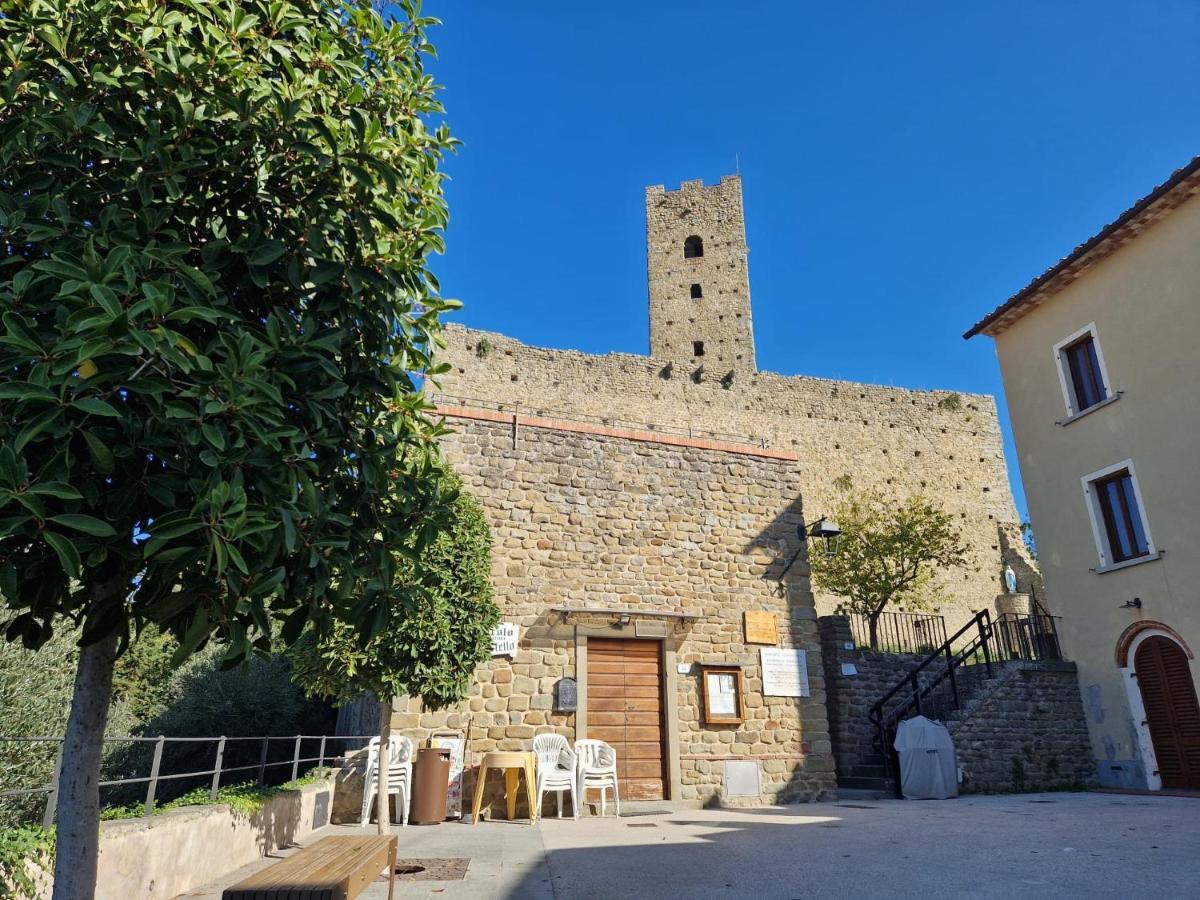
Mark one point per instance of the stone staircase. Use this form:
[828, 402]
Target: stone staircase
[867, 772]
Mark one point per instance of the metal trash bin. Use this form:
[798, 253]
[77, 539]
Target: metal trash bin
[431, 778]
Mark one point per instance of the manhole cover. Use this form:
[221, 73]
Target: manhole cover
[452, 869]
[641, 824]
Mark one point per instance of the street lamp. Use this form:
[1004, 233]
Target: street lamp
[827, 530]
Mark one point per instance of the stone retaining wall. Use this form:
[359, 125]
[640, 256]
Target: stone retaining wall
[1027, 732]
[850, 697]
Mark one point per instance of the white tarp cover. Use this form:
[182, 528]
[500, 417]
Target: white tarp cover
[928, 770]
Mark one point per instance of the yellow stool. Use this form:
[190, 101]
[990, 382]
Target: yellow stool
[513, 762]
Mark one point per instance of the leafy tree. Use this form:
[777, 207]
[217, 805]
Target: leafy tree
[215, 312]
[888, 552]
[440, 618]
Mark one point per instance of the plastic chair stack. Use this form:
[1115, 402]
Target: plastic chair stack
[400, 757]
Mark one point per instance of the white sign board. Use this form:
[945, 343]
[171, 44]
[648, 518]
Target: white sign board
[504, 639]
[784, 672]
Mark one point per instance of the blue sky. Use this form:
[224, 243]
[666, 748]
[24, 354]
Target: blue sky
[906, 167]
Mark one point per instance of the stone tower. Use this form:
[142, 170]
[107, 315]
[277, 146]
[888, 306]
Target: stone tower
[699, 281]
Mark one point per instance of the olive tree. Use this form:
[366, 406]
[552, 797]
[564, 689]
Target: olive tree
[440, 617]
[215, 315]
[888, 552]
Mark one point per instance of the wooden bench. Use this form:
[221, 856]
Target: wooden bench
[334, 868]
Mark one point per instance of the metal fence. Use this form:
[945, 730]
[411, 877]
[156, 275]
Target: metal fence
[1029, 637]
[223, 742]
[898, 632]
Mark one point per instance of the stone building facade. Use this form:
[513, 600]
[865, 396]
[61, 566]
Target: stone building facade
[942, 444]
[606, 534]
[644, 506]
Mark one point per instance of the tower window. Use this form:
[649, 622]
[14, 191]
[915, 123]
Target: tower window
[693, 247]
[697, 292]
[697, 348]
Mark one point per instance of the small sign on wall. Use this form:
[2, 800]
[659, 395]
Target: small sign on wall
[566, 695]
[784, 672]
[760, 628]
[504, 639]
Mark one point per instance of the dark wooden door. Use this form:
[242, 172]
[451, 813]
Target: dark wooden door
[625, 709]
[1172, 713]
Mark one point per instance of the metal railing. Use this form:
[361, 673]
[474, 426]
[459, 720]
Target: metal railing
[935, 687]
[156, 775]
[898, 632]
[1029, 637]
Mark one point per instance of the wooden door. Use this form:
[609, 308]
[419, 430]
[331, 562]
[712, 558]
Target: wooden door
[625, 708]
[1172, 713]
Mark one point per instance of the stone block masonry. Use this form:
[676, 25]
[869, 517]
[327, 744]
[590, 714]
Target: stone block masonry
[1022, 730]
[1027, 733]
[941, 444]
[602, 518]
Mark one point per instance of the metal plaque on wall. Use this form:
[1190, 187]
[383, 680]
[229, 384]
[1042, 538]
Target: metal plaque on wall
[566, 695]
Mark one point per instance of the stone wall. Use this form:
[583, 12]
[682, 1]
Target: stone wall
[938, 443]
[1027, 733]
[1022, 730]
[619, 520]
[849, 698]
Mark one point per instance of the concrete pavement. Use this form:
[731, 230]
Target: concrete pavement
[1028, 845]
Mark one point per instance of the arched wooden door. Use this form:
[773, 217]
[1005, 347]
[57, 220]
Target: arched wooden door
[1172, 714]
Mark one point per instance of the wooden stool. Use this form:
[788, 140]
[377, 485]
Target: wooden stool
[513, 763]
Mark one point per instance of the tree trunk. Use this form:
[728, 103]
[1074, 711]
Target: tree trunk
[873, 630]
[382, 805]
[78, 818]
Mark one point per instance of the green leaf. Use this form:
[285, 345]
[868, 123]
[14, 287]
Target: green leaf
[102, 456]
[87, 524]
[67, 554]
[59, 489]
[96, 407]
[266, 253]
[23, 390]
[213, 435]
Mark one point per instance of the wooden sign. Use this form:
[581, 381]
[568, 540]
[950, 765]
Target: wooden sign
[760, 628]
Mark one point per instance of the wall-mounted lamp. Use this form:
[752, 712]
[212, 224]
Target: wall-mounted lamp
[827, 530]
[1135, 603]
[625, 619]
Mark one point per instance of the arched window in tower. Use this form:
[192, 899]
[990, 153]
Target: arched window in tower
[693, 247]
[697, 292]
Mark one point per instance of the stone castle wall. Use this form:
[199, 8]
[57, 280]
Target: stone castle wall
[605, 520]
[941, 444]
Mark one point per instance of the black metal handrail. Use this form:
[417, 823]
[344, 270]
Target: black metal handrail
[1011, 636]
[927, 677]
[1031, 637]
[898, 632]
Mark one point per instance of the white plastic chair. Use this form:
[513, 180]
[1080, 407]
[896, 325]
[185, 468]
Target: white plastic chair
[555, 770]
[596, 767]
[400, 756]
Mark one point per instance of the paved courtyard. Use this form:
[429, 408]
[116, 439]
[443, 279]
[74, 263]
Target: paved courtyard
[1029, 845]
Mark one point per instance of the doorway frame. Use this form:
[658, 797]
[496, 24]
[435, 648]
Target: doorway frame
[642, 630]
[1127, 648]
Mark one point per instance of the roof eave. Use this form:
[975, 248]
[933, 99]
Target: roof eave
[1183, 184]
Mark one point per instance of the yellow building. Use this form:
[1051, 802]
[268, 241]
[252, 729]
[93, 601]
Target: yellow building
[1101, 368]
